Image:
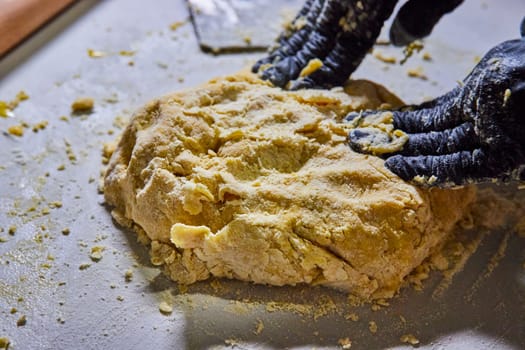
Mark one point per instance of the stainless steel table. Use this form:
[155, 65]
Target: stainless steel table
[95, 308]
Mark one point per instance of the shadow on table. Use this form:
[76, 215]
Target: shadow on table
[484, 307]
[479, 309]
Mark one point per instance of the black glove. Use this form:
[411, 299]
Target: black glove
[339, 33]
[474, 133]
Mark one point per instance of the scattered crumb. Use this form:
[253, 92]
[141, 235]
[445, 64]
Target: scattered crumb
[40, 126]
[426, 56]
[6, 108]
[353, 316]
[259, 327]
[165, 308]
[384, 58]
[408, 51]
[96, 54]
[16, 130]
[66, 231]
[96, 253]
[345, 343]
[55, 204]
[84, 266]
[128, 275]
[417, 73]
[107, 150]
[312, 66]
[12, 230]
[61, 167]
[83, 105]
[409, 339]
[63, 118]
[372, 326]
[126, 53]
[69, 152]
[506, 96]
[162, 65]
[176, 25]
[375, 307]
[4, 343]
[22, 321]
[13, 310]
[232, 342]
[120, 298]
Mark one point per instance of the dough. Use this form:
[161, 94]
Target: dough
[242, 180]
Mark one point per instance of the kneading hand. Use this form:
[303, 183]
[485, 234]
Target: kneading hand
[474, 133]
[338, 34]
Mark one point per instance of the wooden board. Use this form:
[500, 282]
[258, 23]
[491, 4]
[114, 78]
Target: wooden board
[20, 18]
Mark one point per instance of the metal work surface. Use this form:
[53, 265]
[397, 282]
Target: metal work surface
[47, 186]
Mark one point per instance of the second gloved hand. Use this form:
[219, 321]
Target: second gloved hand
[475, 133]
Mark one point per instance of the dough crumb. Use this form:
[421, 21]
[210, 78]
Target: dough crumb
[259, 327]
[83, 105]
[84, 266]
[95, 53]
[410, 49]
[372, 326]
[380, 55]
[176, 25]
[16, 130]
[409, 339]
[426, 56]
[345, 343]
[4, 343]
[22, 321]
[353, 316]
[417, 72]
[128, 275]
[165, 308]
[96, 253]
[312, 66]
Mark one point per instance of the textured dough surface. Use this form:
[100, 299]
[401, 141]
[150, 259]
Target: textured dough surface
[241, 180]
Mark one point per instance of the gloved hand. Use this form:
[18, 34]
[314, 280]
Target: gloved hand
[339, 33]
[474, 133]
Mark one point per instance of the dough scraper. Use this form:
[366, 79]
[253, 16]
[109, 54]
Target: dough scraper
[227, 26]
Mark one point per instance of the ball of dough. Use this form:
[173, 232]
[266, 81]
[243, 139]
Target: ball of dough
[242, 180]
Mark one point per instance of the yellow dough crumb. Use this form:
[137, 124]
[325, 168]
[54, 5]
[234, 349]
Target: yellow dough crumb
[384, 58]
[417, 72]
[312, 66]
[4, 343]
[83, 105]
[409, 339]
[345, 343]
[16, 130]
[238, 179]
[165, 308]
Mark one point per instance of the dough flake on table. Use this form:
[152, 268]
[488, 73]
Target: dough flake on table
[238, 179]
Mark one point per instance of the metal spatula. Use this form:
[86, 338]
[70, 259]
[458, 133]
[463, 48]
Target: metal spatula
[240, 25]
